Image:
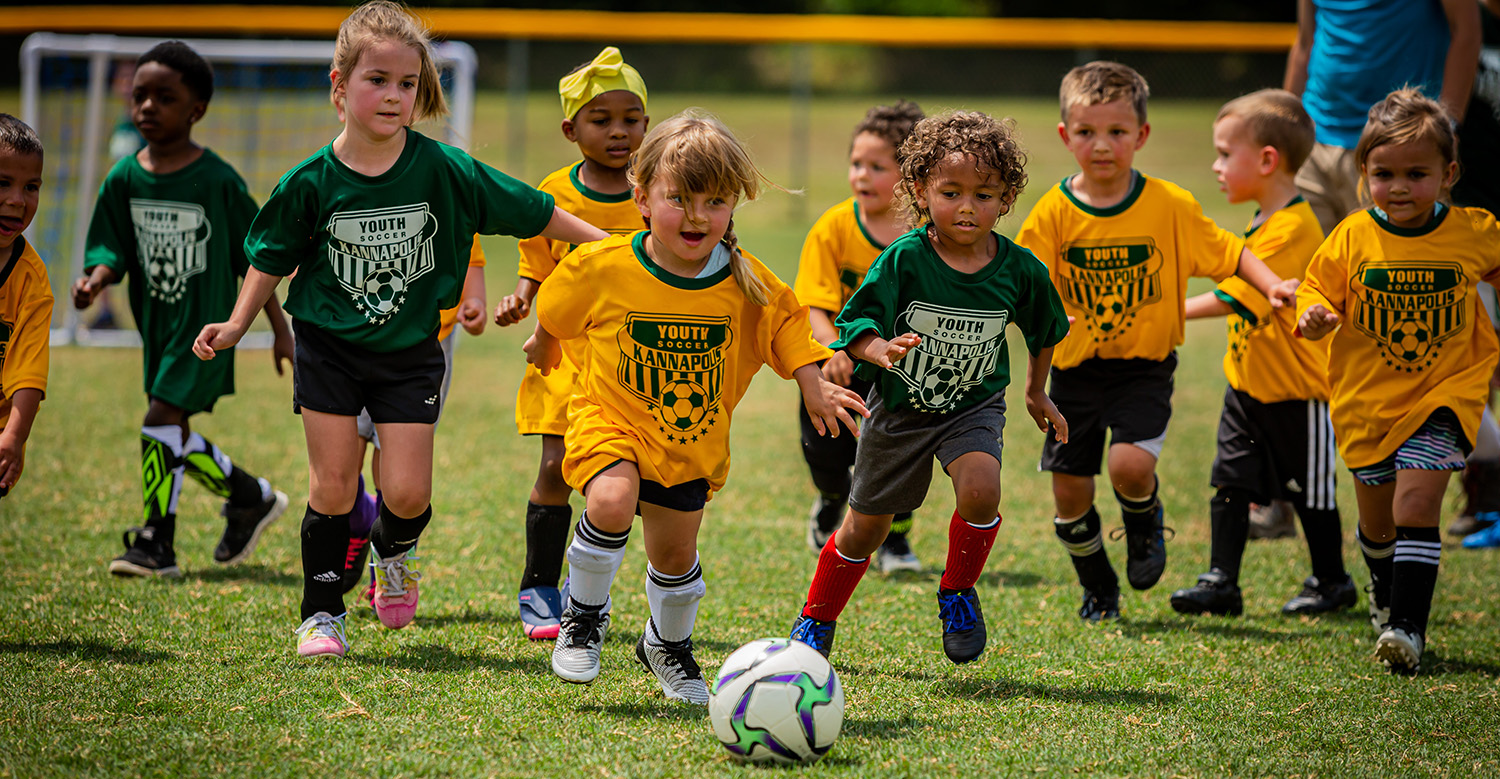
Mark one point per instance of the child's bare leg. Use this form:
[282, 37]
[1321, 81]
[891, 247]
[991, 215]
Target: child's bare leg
[674, 578]
[333, 455]
[1074, 495]
[598, 547]
[1132, 471]
[550, 489]
[406, 486]
[972, 529]
[861, 534]
[548, 517]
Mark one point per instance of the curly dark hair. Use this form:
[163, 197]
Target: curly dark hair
[890, 123]
[197, 75]
[989, 142]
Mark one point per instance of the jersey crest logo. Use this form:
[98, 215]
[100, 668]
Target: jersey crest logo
[172, 241]
[378, 254]
[1110, 279]
[1240, 330]
[1410, 308]
[959, 351]
[675, 363]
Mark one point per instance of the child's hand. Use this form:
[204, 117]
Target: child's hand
[839, 369]
[512, 309]
[895, 349]
[84, 292]
[828, 404]
[282, 350]
[471, 315]
[214, 337]
[12, 461]
[1044, 412]
[1285, 293]
[545, 352]
[1316, 322]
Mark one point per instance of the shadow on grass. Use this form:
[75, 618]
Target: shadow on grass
[662, 709]
[883, 728]
[1438, 666]
[899, 672]
[435, 657]
[1226, 629]
[252, 572]
[1002, 689]
[86, 649]
[465, 617]
[1011, 579]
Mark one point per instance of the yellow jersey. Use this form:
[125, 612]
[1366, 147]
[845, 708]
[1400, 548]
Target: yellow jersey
[25, 325]
[448, 317]
[1415, 337]
[666, 359]
[835, 258]
[1265, 359]
[542, 401]
[1123, 271]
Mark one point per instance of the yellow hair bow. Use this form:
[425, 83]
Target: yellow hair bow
[607, 73]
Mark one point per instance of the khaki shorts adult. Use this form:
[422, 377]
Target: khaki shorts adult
[1329, 181]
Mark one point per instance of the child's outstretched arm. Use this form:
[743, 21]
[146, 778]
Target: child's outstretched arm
[872, 348]
[88, 287]
[23, 406]
[515, 306]
[258, 288]
[471, 308]
[1206, 306]
[827, 403]
[570, 229]
[282, 348]
[1041, 408]
[1281, 292]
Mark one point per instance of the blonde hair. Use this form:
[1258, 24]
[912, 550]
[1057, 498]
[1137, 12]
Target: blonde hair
[990, 143]
[384, 20]
[1405, 116]
[695, 151]
[1103, 81]
[1275, 118]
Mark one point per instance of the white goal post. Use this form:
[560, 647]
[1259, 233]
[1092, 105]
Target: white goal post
[270, 110]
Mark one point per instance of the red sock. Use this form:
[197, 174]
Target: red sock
[968, 549]
[833, 584]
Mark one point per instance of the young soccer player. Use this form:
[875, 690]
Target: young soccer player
[1121, 247]
[674, 337]
[173, 217]
[604, 112]
[835, 257]
[377, 226]
[1275, 440]
[932, 314]
[1412, 353]
[25, 298]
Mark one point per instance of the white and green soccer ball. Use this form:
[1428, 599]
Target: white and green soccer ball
[776, 700]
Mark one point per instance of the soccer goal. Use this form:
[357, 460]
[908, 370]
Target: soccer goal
[270, 110]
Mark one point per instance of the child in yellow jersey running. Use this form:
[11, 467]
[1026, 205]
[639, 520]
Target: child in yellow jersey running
[604, 112]
[835, 257]
[1121, 247]
[1274, 440]
[25, 298]
[673, 339]
[1412, 353]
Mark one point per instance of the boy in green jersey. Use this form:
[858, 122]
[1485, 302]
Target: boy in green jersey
[173, 218]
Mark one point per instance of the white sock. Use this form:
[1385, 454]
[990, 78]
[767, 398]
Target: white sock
[594, 558]
[674, 601]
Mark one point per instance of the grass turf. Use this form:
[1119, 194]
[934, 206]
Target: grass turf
[109, 677]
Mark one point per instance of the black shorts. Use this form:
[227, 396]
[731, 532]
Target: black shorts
[687, 496]
[1129, 399]
[333, 376]
[1276, 450]
[893, 469]
[826, 453]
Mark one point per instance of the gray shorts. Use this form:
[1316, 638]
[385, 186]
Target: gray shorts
[893, 467]
[367, 426]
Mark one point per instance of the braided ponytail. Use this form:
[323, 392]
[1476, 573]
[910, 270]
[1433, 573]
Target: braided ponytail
[744, 275]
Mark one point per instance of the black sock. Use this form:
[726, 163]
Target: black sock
[393, 535]
[325, 542]
[833, 495]
[1414, 573]
[1229, 520]
[1139, 514]
[1325, 543]
[1085, 544]
[546, 544]
[244, 489]
[1377, 556]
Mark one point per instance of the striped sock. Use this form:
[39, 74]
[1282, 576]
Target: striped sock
[674, 601]
[1378, 556]
[968, 549]
[1414, 573]
[833, 583]
[594, 558]
[1085, 545]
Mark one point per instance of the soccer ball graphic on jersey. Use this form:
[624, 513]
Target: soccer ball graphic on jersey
[164, 275]
[776, 700]
[683, 404]
[1410, 340]
[1109, 312]
[939, 385]
[384, 290]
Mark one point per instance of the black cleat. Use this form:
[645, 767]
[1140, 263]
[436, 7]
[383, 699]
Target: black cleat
[1319, 598]
[243, 526]
[1213, 594]
[146, 556]
[964, 635]
[1100, 606]
[1145, 550]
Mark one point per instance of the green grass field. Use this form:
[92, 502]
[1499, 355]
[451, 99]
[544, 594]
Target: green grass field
[109, 677]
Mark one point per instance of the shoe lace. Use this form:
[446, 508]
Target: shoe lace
[141, 534]
[812, 632]
[679, 654]
[397, 574]
[957, 612]
[1167, 533]
[322, 625]
[581, 627]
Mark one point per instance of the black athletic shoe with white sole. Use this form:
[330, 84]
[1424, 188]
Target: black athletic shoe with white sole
[1145, 550]
[1099, 606]
[146, 556]
[1214, 593]
[243, 526]
[1319, 597]
[964, 634]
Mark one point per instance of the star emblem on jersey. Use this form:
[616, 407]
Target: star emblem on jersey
[378, 254]
[1110, 280]
[959, 349]
[1410, 308]
[675, 364]
[172, 241]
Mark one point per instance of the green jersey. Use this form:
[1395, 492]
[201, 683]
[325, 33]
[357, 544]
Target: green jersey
[179, 239]
[961, 317]
[378, 257]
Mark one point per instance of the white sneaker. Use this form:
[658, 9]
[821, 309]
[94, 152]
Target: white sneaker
[675, 668]
[1401, 651]
[1379, 615]
[896, 555]
[580, 637]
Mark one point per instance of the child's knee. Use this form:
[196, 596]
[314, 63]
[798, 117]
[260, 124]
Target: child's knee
[979, 503]
[611, 507]
[407, 500]
[1418, 508]
[861, 534]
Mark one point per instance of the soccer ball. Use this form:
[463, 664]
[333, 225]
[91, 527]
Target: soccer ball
[1109, 312]
[683, 404]
[162, 271]
[776, 700]
[1410, 340]
[939, 385]
[383, 290]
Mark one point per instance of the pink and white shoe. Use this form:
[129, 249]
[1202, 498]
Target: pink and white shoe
[322, 635]
[396, 593]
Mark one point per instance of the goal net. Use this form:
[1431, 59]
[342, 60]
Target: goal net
[270, 110]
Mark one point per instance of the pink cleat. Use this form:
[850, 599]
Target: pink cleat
[395, 599]
[322, 635]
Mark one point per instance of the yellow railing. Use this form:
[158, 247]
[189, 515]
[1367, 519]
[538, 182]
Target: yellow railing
[475, 23]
